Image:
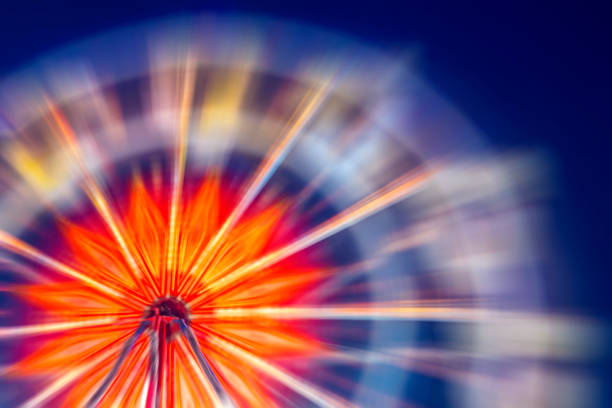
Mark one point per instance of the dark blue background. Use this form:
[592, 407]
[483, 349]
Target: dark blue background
[527, 75]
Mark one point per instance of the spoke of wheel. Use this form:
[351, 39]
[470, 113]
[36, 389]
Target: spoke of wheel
[93, 401]
[152, 396]
[224, 397]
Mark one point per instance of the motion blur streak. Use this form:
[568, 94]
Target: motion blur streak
[348, 217]
[262, 174]
[179, 170]
[51, 327]
[93, 190]
[24, 249]
[224, 212]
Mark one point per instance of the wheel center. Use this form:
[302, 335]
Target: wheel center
[168, 306]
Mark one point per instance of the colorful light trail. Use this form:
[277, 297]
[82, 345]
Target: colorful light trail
[225, 219]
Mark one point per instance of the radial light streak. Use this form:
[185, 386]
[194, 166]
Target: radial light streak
[395, 191]
[273, 159]
[206, 384]
[23, 249]
[97, 197]
[324, 174]
[65, 380]
[42, 329]
[95, 399]
[179, 172]
[210, 375]
[309, 391]
[346, 312]
[134, 369]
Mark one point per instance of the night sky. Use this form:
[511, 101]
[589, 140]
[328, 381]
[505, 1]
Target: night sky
[527, 76]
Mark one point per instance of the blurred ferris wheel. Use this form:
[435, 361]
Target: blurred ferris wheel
[241, 212]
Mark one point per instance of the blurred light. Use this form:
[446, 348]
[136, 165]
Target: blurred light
[335, 230]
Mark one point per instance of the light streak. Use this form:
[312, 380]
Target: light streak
[21, 248]
[179, 173]
[307, 390]
[274, 158]
[93, 401]
[97, 197]
[42, 329]
[65, 380]
[388, 195]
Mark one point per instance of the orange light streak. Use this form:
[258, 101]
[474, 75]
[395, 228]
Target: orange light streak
[97, 198]
[388, 195]
[23, 249]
